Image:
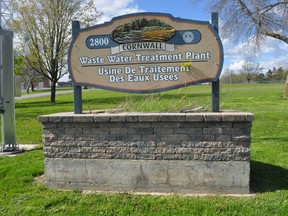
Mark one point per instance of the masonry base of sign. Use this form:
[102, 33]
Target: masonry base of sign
[182, 153]
[164, 176]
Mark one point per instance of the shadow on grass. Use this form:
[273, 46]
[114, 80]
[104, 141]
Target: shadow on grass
[267, 178]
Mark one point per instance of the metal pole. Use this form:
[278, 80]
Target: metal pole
[7, 92]
[77, 88]
[1, 14]
[215, 84]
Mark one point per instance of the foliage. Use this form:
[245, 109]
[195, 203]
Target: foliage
[48, 25]
[19, 61]
[21, 195]
[274, 75]
[277, 74]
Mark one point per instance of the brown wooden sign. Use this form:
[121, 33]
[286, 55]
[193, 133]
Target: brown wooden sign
[146, 52]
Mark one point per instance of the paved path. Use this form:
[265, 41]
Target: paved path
[43, 94]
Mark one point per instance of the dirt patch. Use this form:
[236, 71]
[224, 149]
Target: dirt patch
[40, 179]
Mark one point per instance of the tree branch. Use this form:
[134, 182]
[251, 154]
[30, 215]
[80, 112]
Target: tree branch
[258, 25]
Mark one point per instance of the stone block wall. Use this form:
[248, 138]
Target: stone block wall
[148, 152]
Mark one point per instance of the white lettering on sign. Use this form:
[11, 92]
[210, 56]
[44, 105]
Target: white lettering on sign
[118, 70]
[197, 56]
[129, 70]
[94, 60]
[138, 78]
[117, 79]
[158, 57]
[162, 69]
[119, 59]
[95, 42]
[161, 77]
[109, 71]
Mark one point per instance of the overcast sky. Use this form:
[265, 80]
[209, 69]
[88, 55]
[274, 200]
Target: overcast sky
[273, 53]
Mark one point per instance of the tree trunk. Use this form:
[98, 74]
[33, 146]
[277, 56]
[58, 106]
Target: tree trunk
[285, 94]
[28, 87]
[32, 86]
[53, 93]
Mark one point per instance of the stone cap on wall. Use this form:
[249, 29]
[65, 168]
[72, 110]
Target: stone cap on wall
[227, 116]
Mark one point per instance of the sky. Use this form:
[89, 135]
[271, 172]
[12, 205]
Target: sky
[272, 54]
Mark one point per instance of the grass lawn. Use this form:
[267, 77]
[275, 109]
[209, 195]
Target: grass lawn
[21, 195]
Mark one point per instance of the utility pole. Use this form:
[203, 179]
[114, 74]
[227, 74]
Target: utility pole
[7, 102]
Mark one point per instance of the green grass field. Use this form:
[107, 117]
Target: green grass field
[21, 195]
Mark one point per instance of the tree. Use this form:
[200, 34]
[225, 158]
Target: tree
[23, 69]
[280, 74]
[47, 23]
[250, 70]
[260, 78]
[29, 76]
[269, 75]
[254, 20]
